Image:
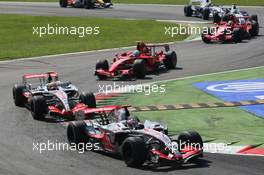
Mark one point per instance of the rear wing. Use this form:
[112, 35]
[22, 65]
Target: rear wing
[53, 75]
[103, 109]
[166, 46]
[200, 1]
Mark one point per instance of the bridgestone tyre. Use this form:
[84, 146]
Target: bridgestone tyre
[190, 138]
[170, 60]
[206, 13]
[237, 35]
[102, 64]
[88, 99]
[134, 151]
[188, 11]
[88, 4]
[38, 107]
[139, 68]
[76, 133]
[63, 3]
[19, 99]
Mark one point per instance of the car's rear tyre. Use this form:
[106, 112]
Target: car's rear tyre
[88, 99]
[88, 4]
[216, 18]
[18, 97]
[225, 18]
[206, 31]
[190, 138]
[38, 107]
[237, 35]
[254, 18]
[63, 3]
[76, 133]
[206, 13]
[134, 151]
[139, 68]
[102, 64]
[255, 29]
[170, 60]
[188, 11]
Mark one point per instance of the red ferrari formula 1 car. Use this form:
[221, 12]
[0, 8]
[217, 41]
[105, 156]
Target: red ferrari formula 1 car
[232, 28]
[44, 94]
[88, 4]
[146, 58]
[113, 130]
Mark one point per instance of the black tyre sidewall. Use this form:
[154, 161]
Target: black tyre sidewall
[139, 68]
[19, 99]
[237, 35]
[38, 107]
[188, 11]
[206, 13]
[137, 149]
[63, 3]
[170, 60]
[88, 99]
[102, 64]
[76, 132]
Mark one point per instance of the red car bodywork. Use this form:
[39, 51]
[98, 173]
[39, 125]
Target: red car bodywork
[122, 64]
[60, 102]
[92, 3]
[112, 140]
[224, 30]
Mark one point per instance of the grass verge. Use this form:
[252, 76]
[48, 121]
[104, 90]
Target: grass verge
[17, 39]
[220, 2]
[223, 124]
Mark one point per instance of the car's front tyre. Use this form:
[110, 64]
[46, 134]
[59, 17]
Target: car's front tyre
[38, 107]
[63, 3]
[76, 133]
[134, 151]
[19, 99]
[88, 99]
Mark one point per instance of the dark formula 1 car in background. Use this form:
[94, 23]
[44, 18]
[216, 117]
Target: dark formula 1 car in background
[234, 10]
[88, 4]
[232, 28]
[118, 133]
[145, 59]
[43, 94]
[206, 10]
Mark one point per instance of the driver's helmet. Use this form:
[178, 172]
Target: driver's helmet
[52, 86]
[132, 123]
[136, 53]
[120, 115]
[230, 23]
[141, 47]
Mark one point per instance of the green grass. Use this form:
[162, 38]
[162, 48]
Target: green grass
[220, 2]
[17, 39]
[224, 124]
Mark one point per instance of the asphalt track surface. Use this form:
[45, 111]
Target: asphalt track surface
[18, 130]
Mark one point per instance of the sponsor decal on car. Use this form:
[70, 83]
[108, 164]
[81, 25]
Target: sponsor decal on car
[237, 91]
